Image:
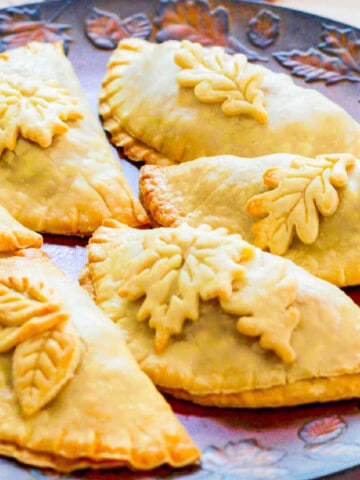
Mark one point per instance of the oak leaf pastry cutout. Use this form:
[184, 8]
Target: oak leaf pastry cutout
[72, 396]
[58, 173]
[299, 194]
[35, 109]
[275, 336]
[177, 101]
[219, 77]
[302, 208]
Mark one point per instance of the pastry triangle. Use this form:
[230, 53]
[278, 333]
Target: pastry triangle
[57, 172]
[214, 320]
[71, 395]
[304, 209]
[177, 101]
[14, 236]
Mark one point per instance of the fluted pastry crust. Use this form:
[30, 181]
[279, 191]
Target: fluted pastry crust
[72, 396]
[258, 332]
[177, 101]
[304, 209]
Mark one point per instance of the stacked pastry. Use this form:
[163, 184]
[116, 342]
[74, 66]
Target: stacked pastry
[250, 176]
[237, 155]
[71, 394]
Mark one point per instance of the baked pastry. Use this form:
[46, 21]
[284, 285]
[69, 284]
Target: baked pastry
[57, 172]
[214, 320]
[14, 236]
[174, 102]
[301, 208]
[72, 396]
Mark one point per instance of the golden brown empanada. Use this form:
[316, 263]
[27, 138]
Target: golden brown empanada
[175, 102]
[212, 319]
[302, 208]
[57, 172]
[71, 395]
[14, 236]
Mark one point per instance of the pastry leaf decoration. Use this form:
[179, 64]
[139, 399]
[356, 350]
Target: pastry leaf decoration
[43, 365]
[25, 310]
[34, 109]
[181, 267]
[221, 78]
[176, 269]
[265, 306]
[298, 195]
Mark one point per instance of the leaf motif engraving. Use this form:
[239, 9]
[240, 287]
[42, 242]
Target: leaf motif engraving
[299, 194]
[43, 365]
[22, 25]
[106, 29]
[313, 65]
[25, 310]
[195, 21]
[343, 44]
[176, 269]
[34, 109]
[221, 78]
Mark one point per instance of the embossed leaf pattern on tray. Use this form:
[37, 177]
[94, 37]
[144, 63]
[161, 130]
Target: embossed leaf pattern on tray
[243, 459]
[106, 29]
[26, 309]
[263, 29]
[42, 366]
[322, 430]
[298, 195]
[313, 65]
[336, 58]
[178, 268]
[21, 25]
[35, 109]
[221, 78]
[343, 43]
[195, 21]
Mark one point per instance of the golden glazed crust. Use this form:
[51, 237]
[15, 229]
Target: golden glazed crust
[235, 193]
[14, 236]
[58, 173]
[154, 106]
[223, 354]
[90, 406]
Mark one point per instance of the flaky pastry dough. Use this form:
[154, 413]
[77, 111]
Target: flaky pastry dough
[71, 395]
[302, 208]
[257, 331]
[14, 236]
[177, 101]
[57, 172]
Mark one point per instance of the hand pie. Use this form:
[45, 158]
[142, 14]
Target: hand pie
[301, 208]
[214, 320]
[57, 172]
[71, 395]
[14, 236]
[174, 102]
